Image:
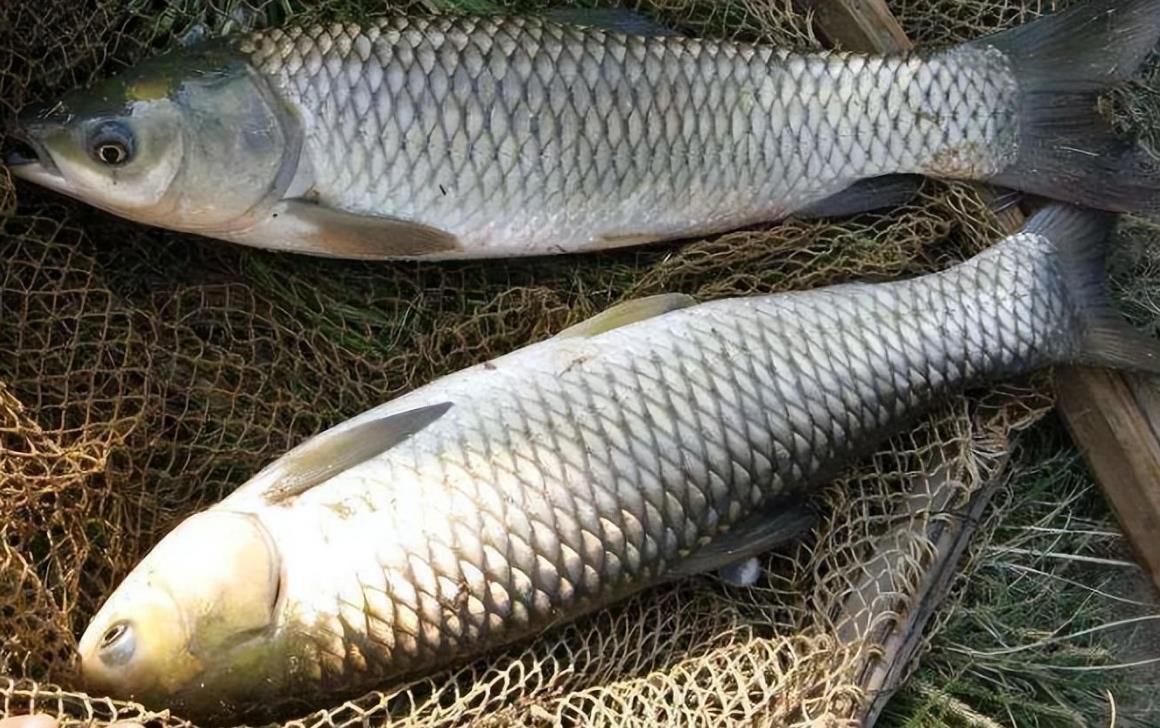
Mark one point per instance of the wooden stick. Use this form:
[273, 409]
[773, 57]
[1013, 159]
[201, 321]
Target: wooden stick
[1113, 419]
[900, 647]
[862, 26]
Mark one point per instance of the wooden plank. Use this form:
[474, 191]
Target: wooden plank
[901, 646]
[869, 612]
[863, 26]
[1114, 430]
[1148, 399]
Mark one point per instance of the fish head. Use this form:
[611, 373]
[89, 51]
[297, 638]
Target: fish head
[194, 625]
[191, 140]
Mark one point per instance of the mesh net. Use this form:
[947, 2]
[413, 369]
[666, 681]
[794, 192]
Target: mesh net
[143, 375]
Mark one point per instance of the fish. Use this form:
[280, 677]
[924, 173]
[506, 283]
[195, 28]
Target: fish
[451, 137]
[659, 440]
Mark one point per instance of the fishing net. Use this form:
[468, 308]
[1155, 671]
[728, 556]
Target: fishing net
[143, 375]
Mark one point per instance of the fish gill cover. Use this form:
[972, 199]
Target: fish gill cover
[145, 374]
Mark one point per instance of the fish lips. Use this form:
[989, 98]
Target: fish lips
[24, 154]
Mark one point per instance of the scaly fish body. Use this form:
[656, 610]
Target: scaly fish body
[446, 137]
[580, 470]
[520, 136]
[495, 502]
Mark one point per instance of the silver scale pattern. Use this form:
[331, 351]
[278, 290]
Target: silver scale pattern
[556, 484]
[526, 135]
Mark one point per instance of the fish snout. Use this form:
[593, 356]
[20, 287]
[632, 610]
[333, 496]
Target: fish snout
[18, 150]
[19, 139]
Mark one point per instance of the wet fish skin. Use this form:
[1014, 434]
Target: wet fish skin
[496, 502]
[519, 136]
[453, 137]
[577, 472]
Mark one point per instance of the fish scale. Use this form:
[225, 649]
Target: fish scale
[456, 137]
[523, 134]
[566, 475]
[653, 442]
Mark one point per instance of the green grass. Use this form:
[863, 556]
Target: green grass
[1036, 634]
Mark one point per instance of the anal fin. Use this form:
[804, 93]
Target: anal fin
[877, 193]
[743, 573]
[731, 553]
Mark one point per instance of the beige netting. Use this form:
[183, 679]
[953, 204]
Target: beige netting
[144, 374]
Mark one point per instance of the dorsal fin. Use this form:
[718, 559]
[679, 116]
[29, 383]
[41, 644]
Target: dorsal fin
[616, 20]
[627, 313]
[324, 456]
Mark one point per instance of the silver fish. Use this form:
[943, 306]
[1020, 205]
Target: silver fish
[660, 439]
[489, 137]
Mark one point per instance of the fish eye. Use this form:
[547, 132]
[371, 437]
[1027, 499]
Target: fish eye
[111, 144]
[114, 633]
[117, 644]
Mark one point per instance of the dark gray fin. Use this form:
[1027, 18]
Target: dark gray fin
[1067, 151]
[193, 35]
[877, 193]
[615, 20]
[752, 537]
[1004, 200]
[326, 455]
[340, 234]
[743, 573]
[1080, 237]
[627, 313]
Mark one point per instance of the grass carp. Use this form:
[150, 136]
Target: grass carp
[660, 439]
[469, 137]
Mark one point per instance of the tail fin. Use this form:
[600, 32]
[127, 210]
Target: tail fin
[1067, 151]
[1081, 238]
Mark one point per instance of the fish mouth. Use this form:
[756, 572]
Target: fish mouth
[19, 153]
[26, 158]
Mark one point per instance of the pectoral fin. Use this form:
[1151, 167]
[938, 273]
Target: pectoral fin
[321, 230]
[322, 457]
[731, 553]
[626, 313]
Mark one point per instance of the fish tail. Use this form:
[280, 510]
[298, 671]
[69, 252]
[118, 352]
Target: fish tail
[1066, 149]
[1080, 237]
